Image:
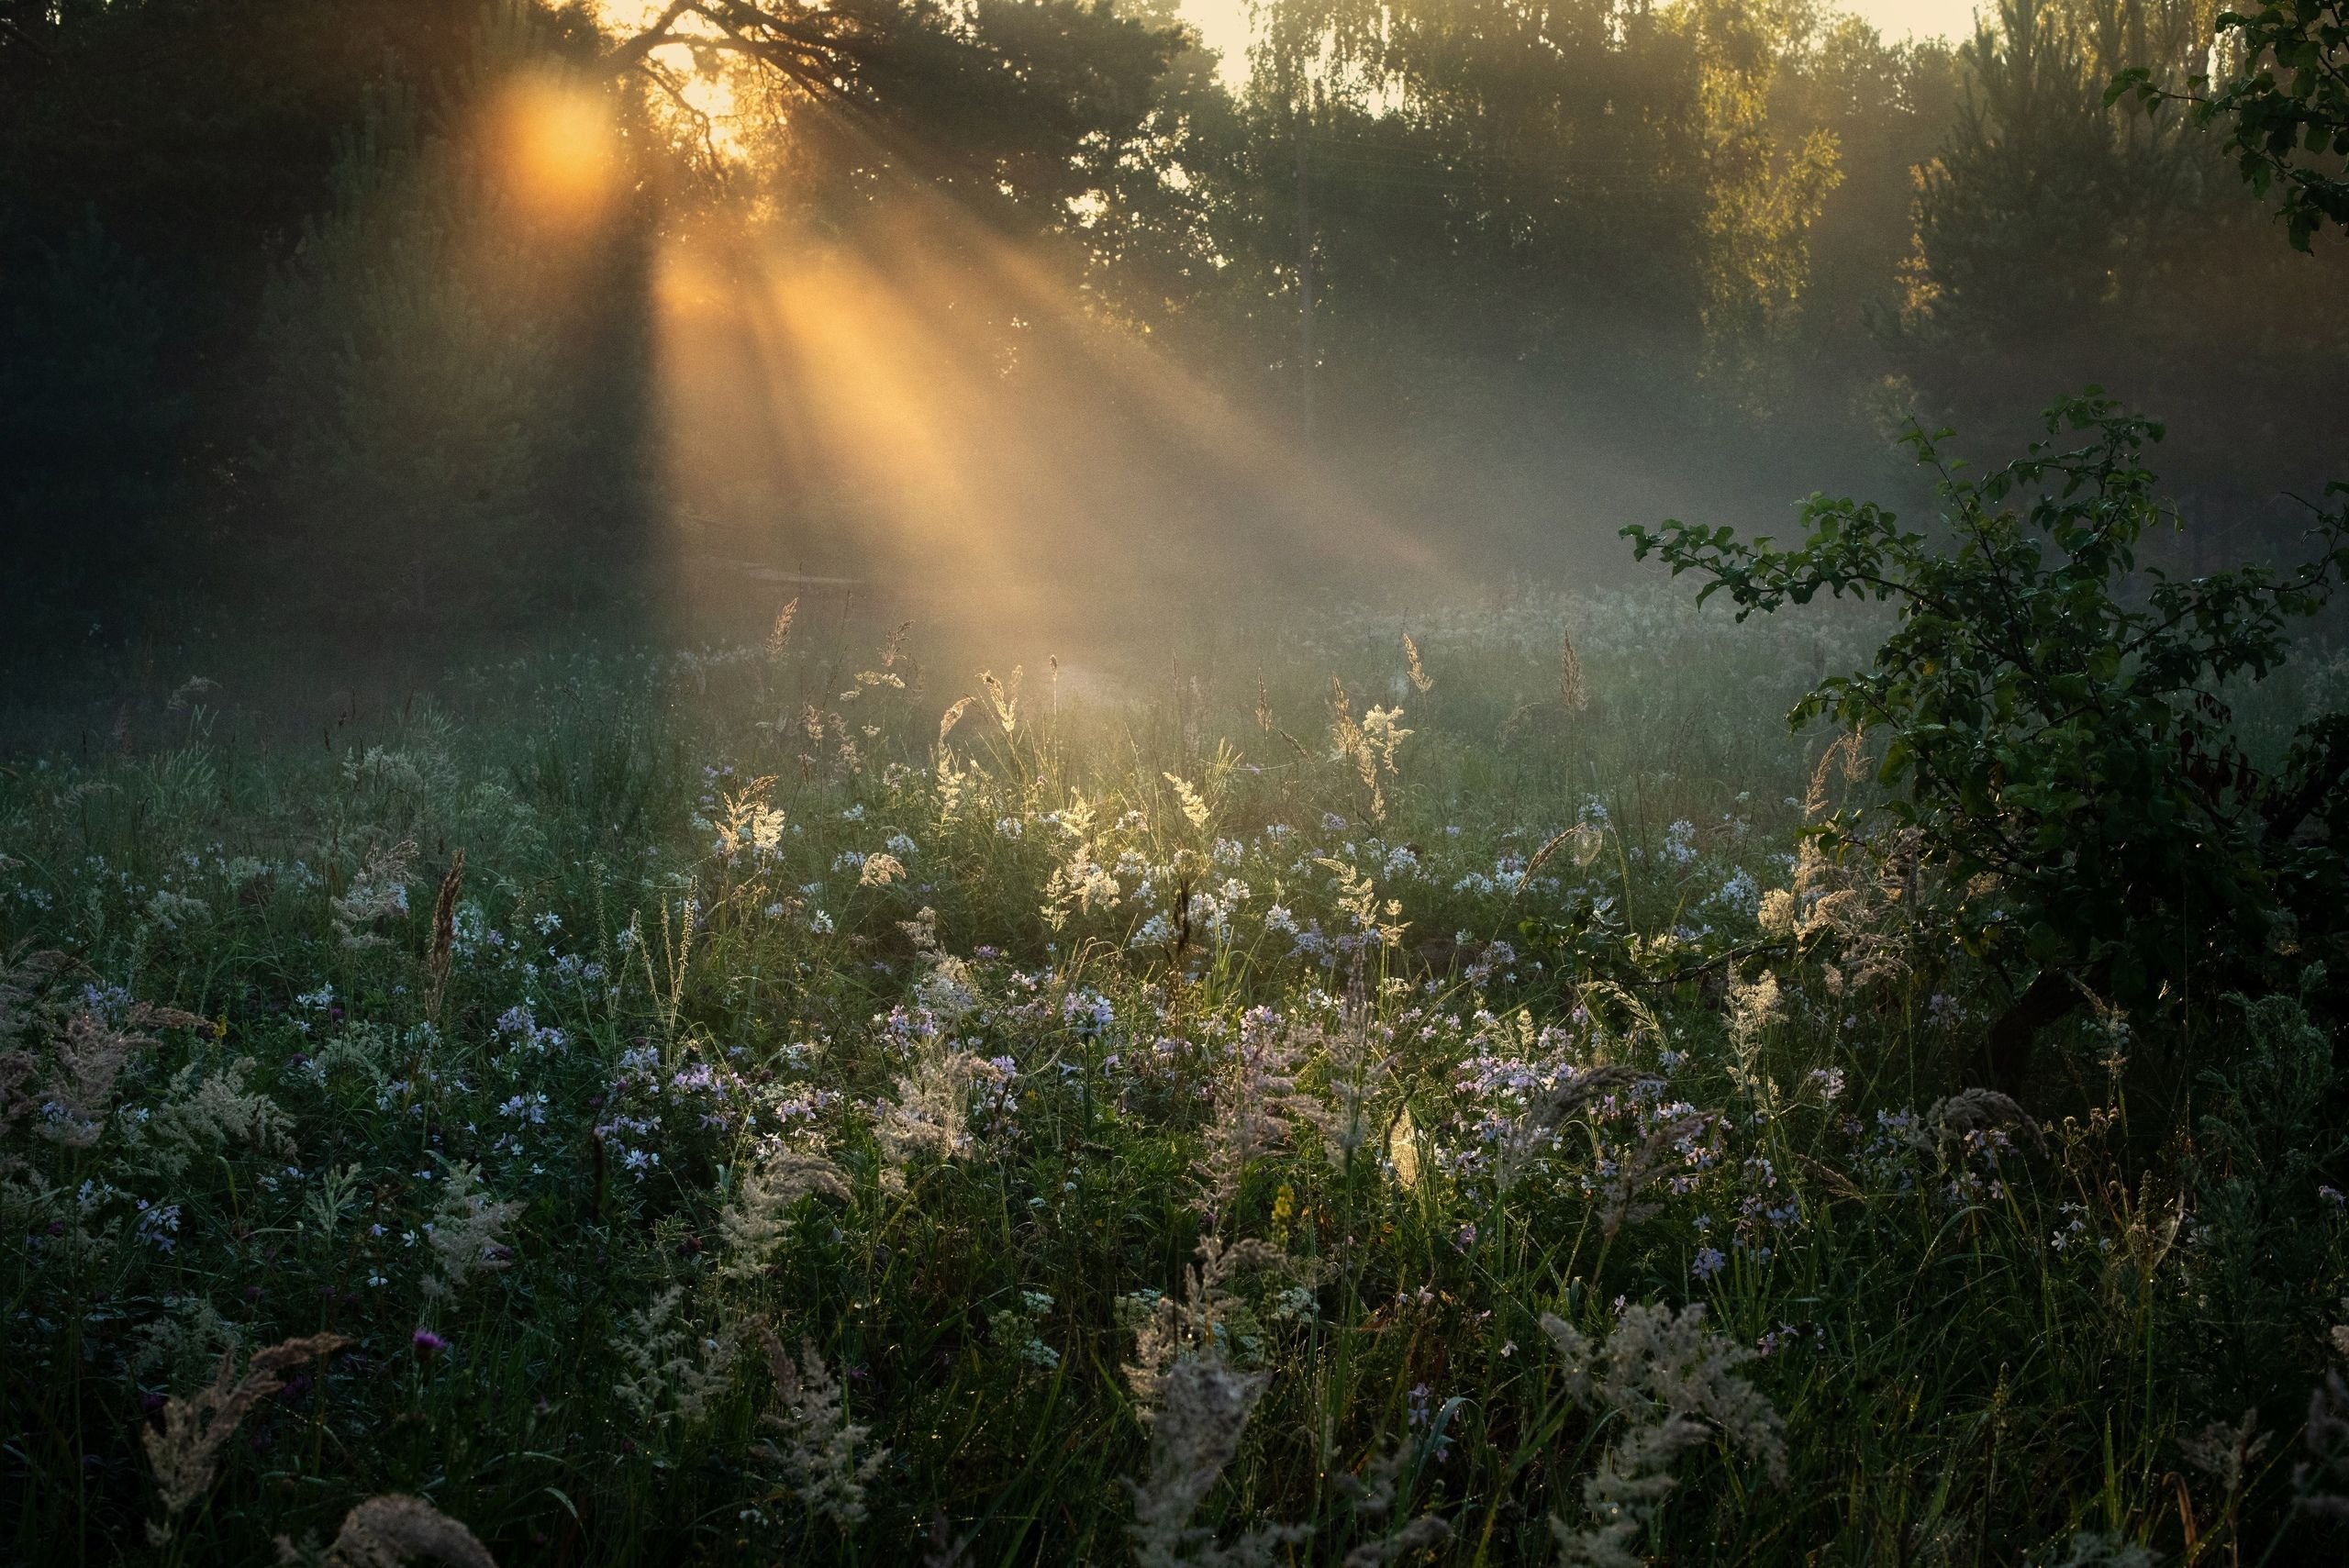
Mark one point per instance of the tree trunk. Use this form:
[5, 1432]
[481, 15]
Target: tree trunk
[2053, 997]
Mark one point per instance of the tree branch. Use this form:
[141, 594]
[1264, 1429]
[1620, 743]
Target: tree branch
[626, 55]
[2287, 812]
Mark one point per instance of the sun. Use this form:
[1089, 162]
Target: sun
[559, 148]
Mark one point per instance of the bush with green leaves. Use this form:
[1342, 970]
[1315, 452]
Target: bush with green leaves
[2060, 745]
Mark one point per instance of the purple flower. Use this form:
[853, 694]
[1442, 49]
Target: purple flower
[1422, 1416]
[428, 1345]
[1708, 1263]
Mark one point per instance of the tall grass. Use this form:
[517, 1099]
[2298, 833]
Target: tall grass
[1187, 1119]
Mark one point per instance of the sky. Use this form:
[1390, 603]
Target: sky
[1224, 23]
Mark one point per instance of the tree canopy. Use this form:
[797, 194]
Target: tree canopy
[1604, 256]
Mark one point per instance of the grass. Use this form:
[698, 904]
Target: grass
[1177, 982]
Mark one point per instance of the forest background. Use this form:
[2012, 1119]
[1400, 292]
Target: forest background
[336, 317]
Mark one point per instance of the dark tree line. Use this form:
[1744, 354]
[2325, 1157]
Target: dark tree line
[283, 327]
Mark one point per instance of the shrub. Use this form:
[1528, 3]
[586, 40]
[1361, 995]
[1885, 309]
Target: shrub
[2058, 724]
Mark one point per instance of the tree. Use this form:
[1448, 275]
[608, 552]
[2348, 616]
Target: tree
[1762, 196]
[2016, 216]
[2062, 243]
[2285, 108]
[2057, 726]
[997, 93]
[292, 345]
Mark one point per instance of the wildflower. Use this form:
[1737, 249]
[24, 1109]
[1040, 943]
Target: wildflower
[1662, 1371]
[754, 1224]
[390, 1529]
[1709, 1263]
[1089, 1012]
[529, 1107]
[675, 1375]
[1740, 894]
[159, 1224]
[467, 1230]
[1172, 1327]
[427, 1344]
[817, 1452]
[1423, 1417]
[378, 893]
[1016, 1327]
[519, 1023]
[185, 1449]
[1206, 1410]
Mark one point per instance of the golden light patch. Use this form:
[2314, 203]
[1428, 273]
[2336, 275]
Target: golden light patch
[559, 150]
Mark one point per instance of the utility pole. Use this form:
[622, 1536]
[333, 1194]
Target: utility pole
[1305, 268]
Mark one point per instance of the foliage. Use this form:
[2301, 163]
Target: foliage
[2285, 106]
[2058, 726]
[997, 97]
[1762, 198]
[1539, 235]
[2018, 214]
[452, 412]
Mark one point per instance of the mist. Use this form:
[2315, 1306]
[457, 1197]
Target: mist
[476, 328]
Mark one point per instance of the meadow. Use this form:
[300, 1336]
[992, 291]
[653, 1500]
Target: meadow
[1393, 1089]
